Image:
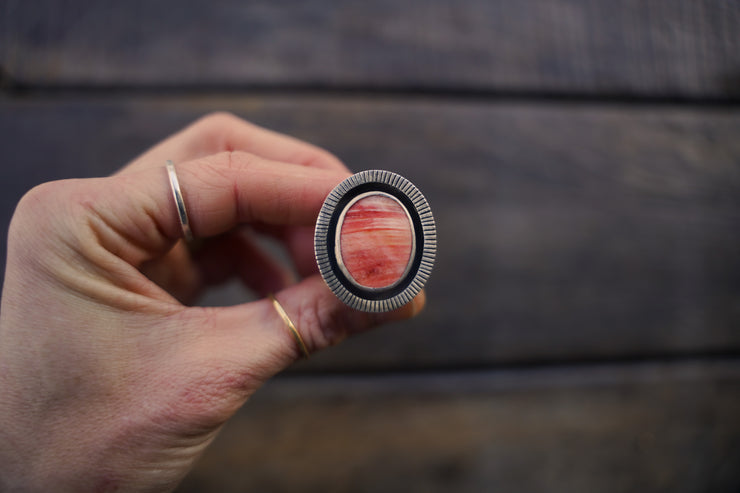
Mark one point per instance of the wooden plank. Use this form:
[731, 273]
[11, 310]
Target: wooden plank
[607, 429]
[565, 232]
[660, 48]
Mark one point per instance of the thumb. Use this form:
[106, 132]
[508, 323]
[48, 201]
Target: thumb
[256, 337]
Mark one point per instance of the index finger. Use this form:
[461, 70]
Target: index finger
[219, 132]
[219, 192]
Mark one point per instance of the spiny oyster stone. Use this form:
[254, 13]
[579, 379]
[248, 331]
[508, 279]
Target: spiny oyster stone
[376, 239]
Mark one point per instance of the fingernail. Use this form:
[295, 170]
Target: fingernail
[409, 310]
[418, 303]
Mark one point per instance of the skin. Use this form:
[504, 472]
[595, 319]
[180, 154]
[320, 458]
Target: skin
[109, 381]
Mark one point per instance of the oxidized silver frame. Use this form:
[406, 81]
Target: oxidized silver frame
[424, 246]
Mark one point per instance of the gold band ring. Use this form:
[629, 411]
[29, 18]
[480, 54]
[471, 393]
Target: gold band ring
[182, 214]
[290, 324]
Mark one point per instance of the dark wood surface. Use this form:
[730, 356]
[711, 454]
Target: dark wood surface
[653, 427]
[566, 233]
[661, 48]
[581, 157]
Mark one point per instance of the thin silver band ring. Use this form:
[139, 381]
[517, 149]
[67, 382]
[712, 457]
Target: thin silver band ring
[179, 202]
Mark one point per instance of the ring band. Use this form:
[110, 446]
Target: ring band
[290, 324]
[177, 193]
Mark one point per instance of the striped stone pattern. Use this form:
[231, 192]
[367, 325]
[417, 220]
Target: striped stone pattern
[429, 246]
[376, 241]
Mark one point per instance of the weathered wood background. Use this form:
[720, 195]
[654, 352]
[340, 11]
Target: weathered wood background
[582, 158]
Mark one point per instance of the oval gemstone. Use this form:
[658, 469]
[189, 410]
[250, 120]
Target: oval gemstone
[375, 241]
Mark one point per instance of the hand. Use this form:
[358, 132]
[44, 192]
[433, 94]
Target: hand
[107, 381]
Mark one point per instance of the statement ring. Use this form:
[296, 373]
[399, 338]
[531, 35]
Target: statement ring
[375, 241]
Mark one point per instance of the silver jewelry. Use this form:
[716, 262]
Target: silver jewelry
[177, 194]
[368, 278]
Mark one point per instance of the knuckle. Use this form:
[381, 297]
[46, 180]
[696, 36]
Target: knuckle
[324, 325]
[213, 171]
[207, 390]
[38, 198]
[240, 160]
[325, 157]
[212, 394]
[216, 121]
[38, 209]
[228, 161]
[219, 128]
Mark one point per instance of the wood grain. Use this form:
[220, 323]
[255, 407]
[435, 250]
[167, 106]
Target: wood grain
[565, 232]
[577, 222]
[661, 48]
[644, 428]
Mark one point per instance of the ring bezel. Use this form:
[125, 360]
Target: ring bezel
[423, 253]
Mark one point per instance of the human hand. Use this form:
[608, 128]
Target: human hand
[107, 381]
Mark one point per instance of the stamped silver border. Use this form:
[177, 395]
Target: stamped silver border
[425, 237]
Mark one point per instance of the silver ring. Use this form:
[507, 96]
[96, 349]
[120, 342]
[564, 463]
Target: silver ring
[409, 282]
[177, 193]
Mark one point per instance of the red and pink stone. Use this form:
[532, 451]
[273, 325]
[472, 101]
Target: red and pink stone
[375, 240]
